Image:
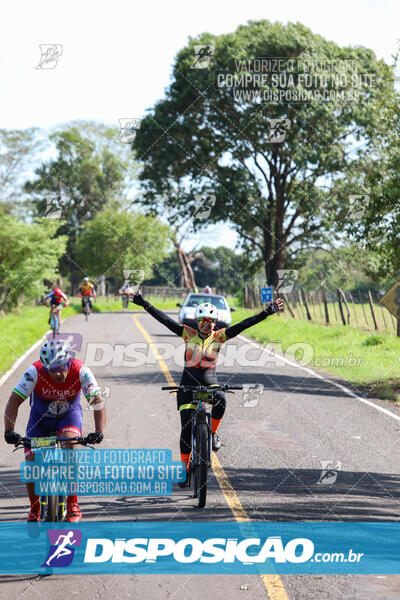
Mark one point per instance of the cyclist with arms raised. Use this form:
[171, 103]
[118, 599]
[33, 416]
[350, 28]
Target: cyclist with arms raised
[54, 384]
[202, 347]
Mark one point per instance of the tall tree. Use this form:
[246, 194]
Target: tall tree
[29, 254]
[18, 149]
[81, 180]
[377, 189]
[271, 179]
[117, 240]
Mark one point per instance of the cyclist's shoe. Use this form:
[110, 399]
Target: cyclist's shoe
[73, 513]
[183, 484]
[34, 514]
[216, 442]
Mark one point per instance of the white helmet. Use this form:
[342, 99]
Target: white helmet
[206, 310]
[86, 279]
[54, 353]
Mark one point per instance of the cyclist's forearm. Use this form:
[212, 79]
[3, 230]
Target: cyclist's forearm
[236, 329]
[163, 318]
[100, 420]
[11, 411]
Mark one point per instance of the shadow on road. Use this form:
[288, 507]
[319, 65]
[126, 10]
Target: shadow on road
[267, 495]
[288, 384]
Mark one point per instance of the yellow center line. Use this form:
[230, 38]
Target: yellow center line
[273, 583]
[153, 347]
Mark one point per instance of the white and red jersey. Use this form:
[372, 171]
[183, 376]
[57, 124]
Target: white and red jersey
[56, 297]
[37, 382]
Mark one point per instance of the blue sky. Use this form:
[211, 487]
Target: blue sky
[117, 56]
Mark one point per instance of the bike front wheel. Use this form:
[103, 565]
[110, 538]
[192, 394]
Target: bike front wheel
[49, 506]
[56, 324]
[201, 463]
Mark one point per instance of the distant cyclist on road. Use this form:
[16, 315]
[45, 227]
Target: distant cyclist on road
[201, 353]
[54, 384]
[207, 289]
[87, 289]
[57, 296]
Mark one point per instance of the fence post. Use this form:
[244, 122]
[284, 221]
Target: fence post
[346, 305]
[372, 310]
[288, 305]
[305, 304]
[325, 301]
[340, 305]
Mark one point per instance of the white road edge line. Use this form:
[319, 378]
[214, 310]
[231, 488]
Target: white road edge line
[311, 372]
[22, 358]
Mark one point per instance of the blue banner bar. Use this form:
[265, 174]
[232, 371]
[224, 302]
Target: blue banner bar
[195, 548]
[103, 472]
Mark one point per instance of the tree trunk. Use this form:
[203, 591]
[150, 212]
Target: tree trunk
[102, 285]
[273, 255]
[186, 272]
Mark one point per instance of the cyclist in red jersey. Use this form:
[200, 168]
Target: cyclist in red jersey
[54, 384]
[57, 296]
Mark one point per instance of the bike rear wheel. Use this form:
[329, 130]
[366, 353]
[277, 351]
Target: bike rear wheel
[201, 463]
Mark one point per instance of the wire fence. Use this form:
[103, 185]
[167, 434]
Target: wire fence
[362, 310]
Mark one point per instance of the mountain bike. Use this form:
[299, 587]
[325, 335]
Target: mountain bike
[86, 306]
[55, 321]
[200, 459]
[52, 508]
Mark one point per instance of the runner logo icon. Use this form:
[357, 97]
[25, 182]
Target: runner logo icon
[61, 552]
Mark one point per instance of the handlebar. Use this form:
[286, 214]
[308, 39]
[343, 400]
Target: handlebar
[26, 442]
[222, 387]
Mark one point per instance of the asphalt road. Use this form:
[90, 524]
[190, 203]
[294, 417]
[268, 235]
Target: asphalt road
[271, 453]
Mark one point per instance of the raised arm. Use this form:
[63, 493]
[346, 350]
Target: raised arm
[159, 315]
[272, 308]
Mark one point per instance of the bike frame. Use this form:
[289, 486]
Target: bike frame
[52, 508]
[200, 415]
[199, 458]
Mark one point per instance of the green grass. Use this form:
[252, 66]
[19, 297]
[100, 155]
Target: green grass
[26, 325]
[18, 332]
[360, 315]
[366, 359]
[375, 355]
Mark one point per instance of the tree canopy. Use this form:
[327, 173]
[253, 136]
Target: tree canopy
[29, 254]
[205, 139]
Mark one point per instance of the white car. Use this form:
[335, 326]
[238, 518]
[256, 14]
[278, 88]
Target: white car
[186, 314]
